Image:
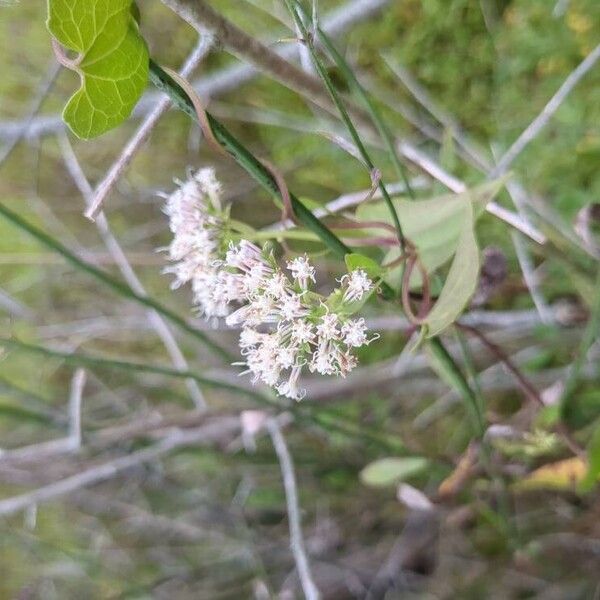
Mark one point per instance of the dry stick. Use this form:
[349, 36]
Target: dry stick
[536, 126]
[112, 245]
[150, 426]
[143, 132]
[14, 307]
[35, 107]
[530, 277]
[112, 468]
[219, 82]
[77, 385]
[518, 319]
[201, 16]
[63, 445]
[311, 591]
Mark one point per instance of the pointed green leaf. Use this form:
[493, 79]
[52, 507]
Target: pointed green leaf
[112, 61]
[461, 281]
[433, 225]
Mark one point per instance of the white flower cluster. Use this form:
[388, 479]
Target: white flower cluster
[198, 222]
[285, 326]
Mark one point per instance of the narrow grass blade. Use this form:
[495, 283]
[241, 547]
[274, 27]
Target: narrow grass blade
[114, 284]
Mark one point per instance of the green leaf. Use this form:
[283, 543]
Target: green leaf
[433, 225]
[390, 471]
[592, 474]
[360, 261]
[461, 281]
[112, 61]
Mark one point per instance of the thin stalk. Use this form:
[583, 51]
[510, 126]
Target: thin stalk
[475, 387]
[508, 529]
[456, 378]
[590, 335]
[371, 108]
[322, 71]
[114, 284]
[246, 160]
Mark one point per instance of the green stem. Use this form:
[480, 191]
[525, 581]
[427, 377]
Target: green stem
[114, 284]
[371, 108]
[246, 160]
[456, 378]
[322, 71]
[590, 335]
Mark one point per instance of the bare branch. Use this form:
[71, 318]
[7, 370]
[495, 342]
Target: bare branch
[536, 126]
[200, 15]
[530, 278]
[36, 104]
[115, 250]
[14, 307]
[94, 475]
[77, 385]
[289, 483]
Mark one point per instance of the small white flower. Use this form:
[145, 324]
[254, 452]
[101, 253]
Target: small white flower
[277, 285]
[290, 307]
[302, 332]
[197, 222]
[328, 327]
[249, 338]
[302, 271]
[357, 284]
[346, 362]
[289, 388]
[283, 325]
[354, 332]
[323, 360]
[286, 357]
[210, 185]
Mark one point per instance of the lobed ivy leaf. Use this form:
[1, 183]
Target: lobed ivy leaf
[112, 61]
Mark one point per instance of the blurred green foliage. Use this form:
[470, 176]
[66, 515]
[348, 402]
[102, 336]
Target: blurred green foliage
[492, 64]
